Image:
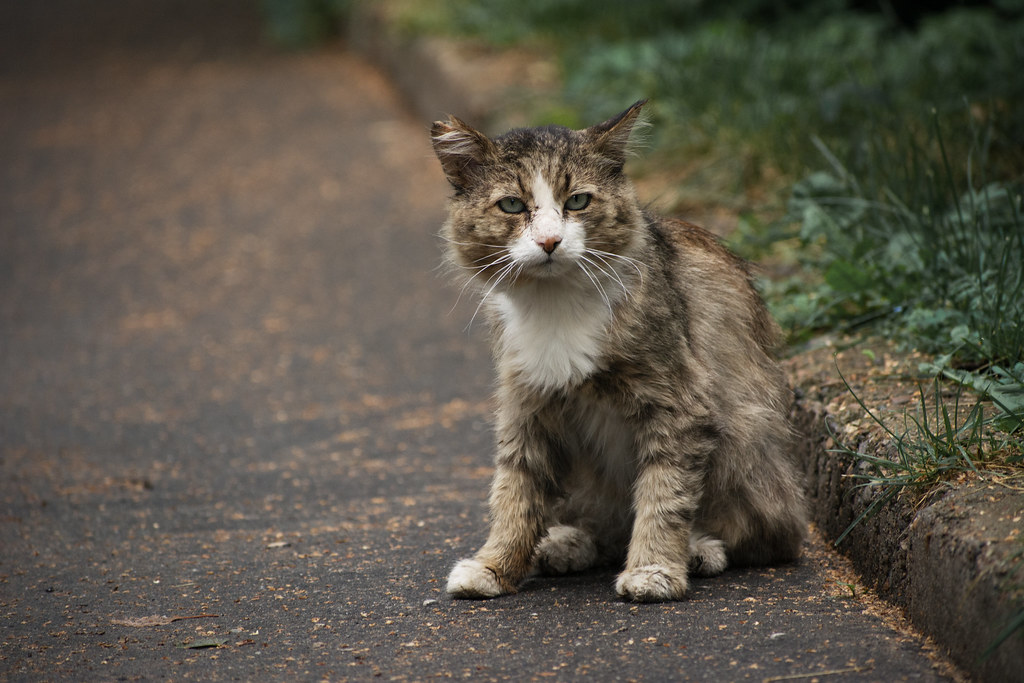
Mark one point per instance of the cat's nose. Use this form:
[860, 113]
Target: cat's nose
[549, 243]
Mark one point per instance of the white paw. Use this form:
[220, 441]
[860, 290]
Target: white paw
[707, 555]
[566, 549]
[652, 583]
[471, 579]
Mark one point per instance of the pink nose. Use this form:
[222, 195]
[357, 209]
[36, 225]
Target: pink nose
[548, 244]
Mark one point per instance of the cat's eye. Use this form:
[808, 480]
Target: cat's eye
[512, 205]
[577, 202]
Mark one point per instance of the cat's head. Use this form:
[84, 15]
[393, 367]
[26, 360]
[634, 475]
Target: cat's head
[538, 203]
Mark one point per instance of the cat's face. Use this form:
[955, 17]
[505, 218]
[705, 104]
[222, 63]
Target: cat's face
[538, 203]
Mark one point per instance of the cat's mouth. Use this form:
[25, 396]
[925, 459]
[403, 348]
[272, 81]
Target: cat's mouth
[548, 264]
[538, 261]
[548, 268]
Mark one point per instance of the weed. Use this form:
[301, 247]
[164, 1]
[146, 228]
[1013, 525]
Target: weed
[937, 443]
[755, 79]
[850, 587]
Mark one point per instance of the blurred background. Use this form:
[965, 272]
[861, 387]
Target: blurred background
[882, 140]
[870, 153]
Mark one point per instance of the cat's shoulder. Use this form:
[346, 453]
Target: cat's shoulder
[688, 241]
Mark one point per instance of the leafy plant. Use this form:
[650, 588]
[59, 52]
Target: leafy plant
[1004, 387]
[906, 250]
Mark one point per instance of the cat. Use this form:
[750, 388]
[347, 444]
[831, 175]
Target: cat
[640, 415]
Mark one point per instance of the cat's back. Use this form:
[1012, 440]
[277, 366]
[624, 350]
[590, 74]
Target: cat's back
[717, 284]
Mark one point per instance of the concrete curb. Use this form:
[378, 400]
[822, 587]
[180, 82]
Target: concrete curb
[952, 566]
[490, 89]
[946, 565]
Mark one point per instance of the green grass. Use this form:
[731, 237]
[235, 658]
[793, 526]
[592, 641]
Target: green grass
[939, 441]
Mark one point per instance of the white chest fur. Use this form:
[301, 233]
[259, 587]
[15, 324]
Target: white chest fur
[553, 336]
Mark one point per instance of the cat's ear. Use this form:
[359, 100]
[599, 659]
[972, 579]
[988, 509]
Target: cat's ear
[611, 138]
[461, 149]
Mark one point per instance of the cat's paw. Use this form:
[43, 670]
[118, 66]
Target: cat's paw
[472, 579]
[652, 583]
[707, 555]
[565, 549]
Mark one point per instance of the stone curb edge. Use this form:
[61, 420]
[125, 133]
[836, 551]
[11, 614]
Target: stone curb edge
[487, 88]
[946, 564]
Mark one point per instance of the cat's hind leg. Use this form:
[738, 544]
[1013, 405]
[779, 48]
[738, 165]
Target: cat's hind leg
[566, 549]
[707, 555]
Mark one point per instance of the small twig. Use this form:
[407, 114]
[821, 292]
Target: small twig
[159, 620]
[815, 674]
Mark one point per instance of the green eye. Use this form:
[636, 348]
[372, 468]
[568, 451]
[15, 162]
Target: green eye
[578, 202]
[512, 205]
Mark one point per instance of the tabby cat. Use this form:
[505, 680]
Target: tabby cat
[641, 418]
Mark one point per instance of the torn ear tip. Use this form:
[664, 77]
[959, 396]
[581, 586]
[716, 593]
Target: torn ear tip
[450, 124]
[442, 128]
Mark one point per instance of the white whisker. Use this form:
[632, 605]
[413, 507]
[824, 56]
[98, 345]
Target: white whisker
[497, 280]
[608, 269]
[504, 258]
[506, 254]
[625, 259]
[597, 283]
[479, 269]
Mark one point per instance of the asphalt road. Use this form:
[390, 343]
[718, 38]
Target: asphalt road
[243, 432]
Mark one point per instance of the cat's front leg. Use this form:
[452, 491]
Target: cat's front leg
[666, 496]
[519, 508]
[517, 514]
